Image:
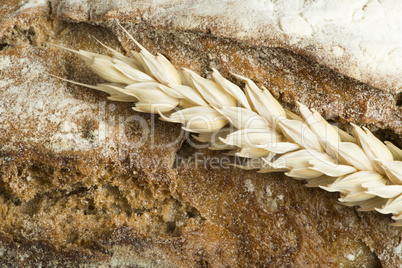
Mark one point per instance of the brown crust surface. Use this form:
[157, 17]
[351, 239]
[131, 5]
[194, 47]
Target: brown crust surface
[80, 185]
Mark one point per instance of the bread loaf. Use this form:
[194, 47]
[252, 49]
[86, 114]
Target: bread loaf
[88, 181]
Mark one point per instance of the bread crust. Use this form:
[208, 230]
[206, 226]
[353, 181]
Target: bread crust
[79, 187]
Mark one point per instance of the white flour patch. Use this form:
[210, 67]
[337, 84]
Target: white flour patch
[249, 186]
[398, 249]
[36, 102]
[295, 25]
[33, 4]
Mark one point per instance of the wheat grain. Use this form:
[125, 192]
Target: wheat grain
[367, 172]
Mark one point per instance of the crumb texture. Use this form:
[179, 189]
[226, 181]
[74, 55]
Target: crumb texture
[88, 182]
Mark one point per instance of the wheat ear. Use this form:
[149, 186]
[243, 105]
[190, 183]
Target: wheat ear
[367, 172]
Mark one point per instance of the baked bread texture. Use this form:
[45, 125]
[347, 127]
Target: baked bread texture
[86, 181]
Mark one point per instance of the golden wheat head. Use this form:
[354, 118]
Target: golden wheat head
[366, 172]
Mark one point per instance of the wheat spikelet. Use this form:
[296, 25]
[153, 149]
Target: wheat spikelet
[366, 172]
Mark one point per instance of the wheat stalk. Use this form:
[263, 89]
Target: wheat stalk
[367, 172]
